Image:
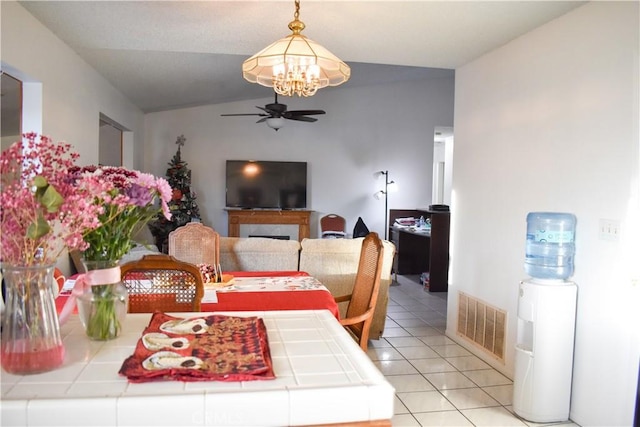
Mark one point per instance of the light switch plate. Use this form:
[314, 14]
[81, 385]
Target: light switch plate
[609, 229]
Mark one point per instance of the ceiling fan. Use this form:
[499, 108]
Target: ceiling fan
[275, 114]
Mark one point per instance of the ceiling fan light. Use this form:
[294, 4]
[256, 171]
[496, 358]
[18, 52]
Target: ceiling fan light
[275, 122]
[295, 65]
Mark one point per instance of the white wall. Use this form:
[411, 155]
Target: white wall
[365, 130]
[550, 122]
[72, 93]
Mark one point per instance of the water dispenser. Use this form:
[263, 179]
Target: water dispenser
[546, 320]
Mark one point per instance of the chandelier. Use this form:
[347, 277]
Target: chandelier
[295, 65]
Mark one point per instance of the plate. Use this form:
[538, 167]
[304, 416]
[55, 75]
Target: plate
[157, 341]
[171, 360]
[185, 326]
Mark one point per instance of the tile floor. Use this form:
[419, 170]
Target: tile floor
[438, 382]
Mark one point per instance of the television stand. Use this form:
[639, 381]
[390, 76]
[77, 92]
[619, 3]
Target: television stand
[301, 218]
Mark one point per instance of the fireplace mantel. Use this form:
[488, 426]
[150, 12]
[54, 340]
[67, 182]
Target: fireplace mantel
[301, 218]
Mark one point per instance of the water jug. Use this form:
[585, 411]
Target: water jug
[550, 246]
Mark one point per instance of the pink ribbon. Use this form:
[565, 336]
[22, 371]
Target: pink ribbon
[82, 285]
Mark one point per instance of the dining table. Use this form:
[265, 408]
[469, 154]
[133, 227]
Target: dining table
[318, 376]
[255, 291]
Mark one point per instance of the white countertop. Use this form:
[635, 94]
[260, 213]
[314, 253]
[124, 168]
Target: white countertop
[322, 377]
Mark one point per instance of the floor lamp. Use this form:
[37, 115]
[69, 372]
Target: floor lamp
[387, 185]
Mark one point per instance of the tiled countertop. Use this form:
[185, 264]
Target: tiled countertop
[322, 375]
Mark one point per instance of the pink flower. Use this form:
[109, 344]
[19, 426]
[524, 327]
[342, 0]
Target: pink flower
[41, 211]
[165, 196]
[131, 200]
[48, 203]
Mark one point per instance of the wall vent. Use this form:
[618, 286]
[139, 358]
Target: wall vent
[482, 324]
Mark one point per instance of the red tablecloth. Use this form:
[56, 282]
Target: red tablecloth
[263, 300]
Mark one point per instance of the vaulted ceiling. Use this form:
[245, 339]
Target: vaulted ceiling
[171, 54]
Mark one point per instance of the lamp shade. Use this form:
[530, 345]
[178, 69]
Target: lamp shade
[293, 52]
[275, 122]
[295, 65]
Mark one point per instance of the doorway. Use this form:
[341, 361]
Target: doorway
[442, 165]
[110, 142]
[11, 126]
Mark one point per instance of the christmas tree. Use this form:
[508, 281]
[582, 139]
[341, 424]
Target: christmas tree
[183, 204]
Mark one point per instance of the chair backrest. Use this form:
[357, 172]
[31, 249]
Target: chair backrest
[362, 304]
[162, 283]
[195, 243]
[332, 225]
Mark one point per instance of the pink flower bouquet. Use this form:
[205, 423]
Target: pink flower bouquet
[131, 199]
[42, 211]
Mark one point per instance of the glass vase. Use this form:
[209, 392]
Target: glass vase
[31, 341]
[104, 303]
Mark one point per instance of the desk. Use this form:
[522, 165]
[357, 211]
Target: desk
[263, 300]
[322, 377]
[412, 248]
[419, 252]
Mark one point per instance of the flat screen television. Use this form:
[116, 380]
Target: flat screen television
[266, 184]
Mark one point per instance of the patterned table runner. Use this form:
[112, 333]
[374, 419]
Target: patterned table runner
[214, 347]
[270, 284]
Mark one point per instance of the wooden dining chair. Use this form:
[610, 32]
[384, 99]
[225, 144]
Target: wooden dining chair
[195, 243]
[332, 226]
[362, 300]
[162, 283]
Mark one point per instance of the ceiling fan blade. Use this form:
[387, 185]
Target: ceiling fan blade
[304, 112]
[246, 114]
[302, 118]
[277, 110]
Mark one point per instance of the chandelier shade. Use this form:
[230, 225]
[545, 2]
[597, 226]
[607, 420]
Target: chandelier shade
[295, 65]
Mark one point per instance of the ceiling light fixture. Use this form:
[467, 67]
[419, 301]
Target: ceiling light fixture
[295, 65]
[275, 122]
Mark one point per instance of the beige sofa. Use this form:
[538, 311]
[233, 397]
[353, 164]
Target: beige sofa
[258, 254]
[332, 261]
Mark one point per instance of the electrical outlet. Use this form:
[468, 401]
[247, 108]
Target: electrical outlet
[609, 229]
